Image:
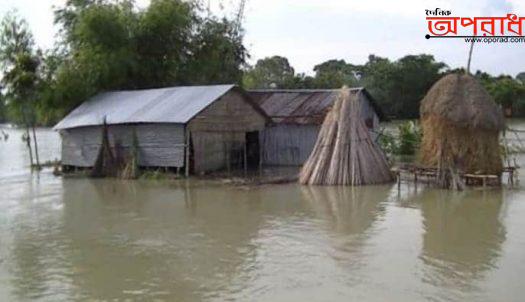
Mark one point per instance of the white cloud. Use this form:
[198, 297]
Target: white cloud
[311, 31]
[39, 15]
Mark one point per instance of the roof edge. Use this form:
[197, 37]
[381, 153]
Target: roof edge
[379, 111]
[302, 90]
[58, 126]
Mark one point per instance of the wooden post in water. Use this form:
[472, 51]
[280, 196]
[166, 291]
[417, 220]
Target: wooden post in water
[28, 142]
[187, 160]
[36, 147]
[227, 154]
[245, 159]
[260, 157]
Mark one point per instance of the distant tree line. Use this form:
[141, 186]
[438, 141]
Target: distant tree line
[107, 45]
[398, 85]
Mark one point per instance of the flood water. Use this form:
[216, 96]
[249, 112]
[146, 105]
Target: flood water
[64, 239]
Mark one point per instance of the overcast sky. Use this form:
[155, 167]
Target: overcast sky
[309, 32]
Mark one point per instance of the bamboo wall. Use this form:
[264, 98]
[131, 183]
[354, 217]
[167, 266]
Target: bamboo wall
[219, 132]
[160, 145]
[216, 150]
[288, 144]
[230, 113]
[291, 144]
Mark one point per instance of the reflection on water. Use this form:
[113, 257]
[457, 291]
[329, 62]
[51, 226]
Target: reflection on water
[462, 237]
[83, 239]
[463, 233]
[351, 210]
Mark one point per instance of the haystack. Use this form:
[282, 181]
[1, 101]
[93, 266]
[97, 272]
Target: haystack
[344, 153]
[461, 125]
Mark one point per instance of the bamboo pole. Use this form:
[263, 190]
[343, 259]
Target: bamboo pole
[28, 136]
[28, 143]
[470, 56]
[187, 160]
[36, 147]
[261, 150]
[245, 159]
[227, 154]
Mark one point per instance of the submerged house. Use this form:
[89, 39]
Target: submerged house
[297, 116]
[198, 128]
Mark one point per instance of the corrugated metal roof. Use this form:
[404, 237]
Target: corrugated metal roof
[301, 106]
[163, 105]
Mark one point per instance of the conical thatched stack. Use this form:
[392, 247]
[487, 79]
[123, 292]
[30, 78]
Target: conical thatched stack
[106, 163]
[344, 153]
[461, 125]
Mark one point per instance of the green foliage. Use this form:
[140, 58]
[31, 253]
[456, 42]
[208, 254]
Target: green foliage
[406, 142]
[506, 91]
[163, 41]
[2, 109]
[388, 143]
[336, 74]
[20, 63]
[380, 81]
[276, 72]
[112, 45]
[409, 138]
[397, 86]
[218, 54]
[15, 38]
[271, 72]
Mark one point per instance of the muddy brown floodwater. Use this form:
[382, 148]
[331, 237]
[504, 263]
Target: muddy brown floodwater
[83, 239]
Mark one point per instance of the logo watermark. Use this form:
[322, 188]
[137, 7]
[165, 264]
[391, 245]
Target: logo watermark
[504, 29]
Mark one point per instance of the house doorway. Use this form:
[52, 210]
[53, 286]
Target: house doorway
[253, 150]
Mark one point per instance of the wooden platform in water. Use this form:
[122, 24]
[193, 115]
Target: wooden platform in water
[428, 176]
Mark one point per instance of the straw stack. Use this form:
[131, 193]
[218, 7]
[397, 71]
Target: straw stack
[461, 124]
[344, 153]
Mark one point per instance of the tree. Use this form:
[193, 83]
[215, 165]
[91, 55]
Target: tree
[2, 108]
[67, 18]
[336, 74]
[20, 62]
[270, 72]
[399, 86]
[415, 75]
[379, 77]
[163, 39]
[112, 45]
[97, 54]
[507, 92]
[218, 54]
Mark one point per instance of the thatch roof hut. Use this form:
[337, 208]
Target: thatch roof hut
[461, 125]
[345, 153]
